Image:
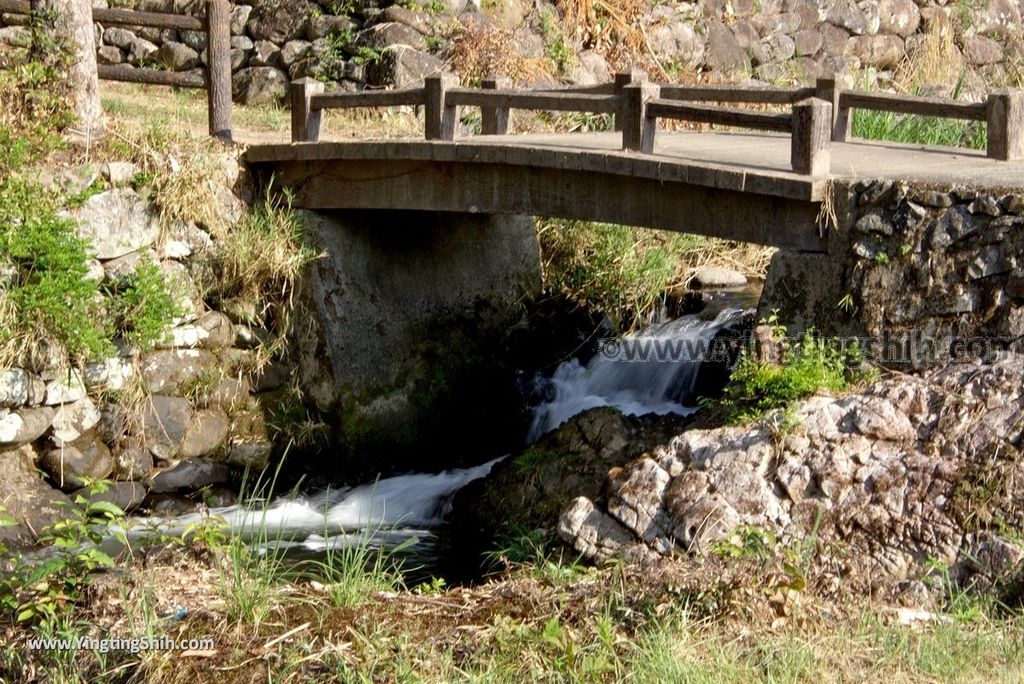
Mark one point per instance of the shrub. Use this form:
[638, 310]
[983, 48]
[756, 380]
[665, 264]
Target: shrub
[142, 307]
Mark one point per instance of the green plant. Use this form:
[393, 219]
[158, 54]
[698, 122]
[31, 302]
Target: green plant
[50, 297]
[746, 542]
[142, 307]
[807, 366]
[43, 592]
[556, 48]
[881, 258]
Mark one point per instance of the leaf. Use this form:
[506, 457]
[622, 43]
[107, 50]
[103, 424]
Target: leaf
[106, 508]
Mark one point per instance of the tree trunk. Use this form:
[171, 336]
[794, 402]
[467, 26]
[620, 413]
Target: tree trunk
[69, 23]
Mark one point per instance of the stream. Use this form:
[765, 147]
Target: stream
[652, 371]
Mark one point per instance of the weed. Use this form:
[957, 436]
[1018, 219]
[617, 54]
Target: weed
[142, 307]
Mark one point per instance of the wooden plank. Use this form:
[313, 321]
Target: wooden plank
[120, 72]
[599, 89]
[120, 17]
[518, 99]
[439, 112]
[638, 127]
[218, 69]
[306, 121]
[810, 154]
[1006, 125]
[368, 98]
[830, 89]
[722, 116]
[495, 121]
[745, 94]
[913, 104]
[623, 79]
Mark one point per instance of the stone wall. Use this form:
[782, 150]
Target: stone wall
[182, 415]
[924, 273]
[380, 43]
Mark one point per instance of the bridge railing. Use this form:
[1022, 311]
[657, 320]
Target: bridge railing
[216, 80]
[817, 115]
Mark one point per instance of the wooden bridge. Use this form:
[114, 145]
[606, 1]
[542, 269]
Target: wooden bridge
[764, 185]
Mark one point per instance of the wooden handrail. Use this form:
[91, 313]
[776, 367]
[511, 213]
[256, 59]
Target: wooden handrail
[913, 104]
[739, 94]
[217, 80]
[518, 99]
[368, 98]
[722, 116]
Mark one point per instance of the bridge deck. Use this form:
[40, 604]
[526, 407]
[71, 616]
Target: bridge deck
[730, 161]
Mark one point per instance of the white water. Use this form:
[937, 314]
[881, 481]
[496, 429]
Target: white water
[396, 506]
[636, 382]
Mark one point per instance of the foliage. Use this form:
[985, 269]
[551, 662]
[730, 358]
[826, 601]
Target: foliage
[46, 591]
[50, 297]
[142, 307]
[557, 48]
[919, 130]
[624, 272]
[807, 366]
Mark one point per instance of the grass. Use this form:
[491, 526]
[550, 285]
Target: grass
[625, 272]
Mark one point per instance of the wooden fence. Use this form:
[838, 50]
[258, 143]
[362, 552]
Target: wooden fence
[216, 80]
[817, 115]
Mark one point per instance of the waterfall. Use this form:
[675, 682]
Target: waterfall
[653, 371]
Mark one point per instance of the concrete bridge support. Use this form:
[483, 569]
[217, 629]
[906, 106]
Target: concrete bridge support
[409, 302]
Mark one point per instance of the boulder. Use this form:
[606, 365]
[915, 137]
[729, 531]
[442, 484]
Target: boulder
[386, 35]
[71, 421]
[26, 498]
[125, 495]
[176, 56]
[20, 388]
[24, 425]
[119, 37]
[220, 332]
[119, 173]
[717, 277]
[69, 466]
[164, 421]
[401, 66]
[901, 17]
[326, 25]
[293, 51]
[884, 51]
[723, 53]
[132, 463]
[239, 18]
[280, 22]
[141, 51]
[259, 85]
[109, 54]
[117, 222]
[166, 370]
[981, 50]
[265, 54]
[191, 474]
[63, 387]
[207, 430]
[807, 42]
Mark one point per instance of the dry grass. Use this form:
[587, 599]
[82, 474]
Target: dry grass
[481, 50]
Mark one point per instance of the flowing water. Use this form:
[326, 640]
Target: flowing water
[653, 371]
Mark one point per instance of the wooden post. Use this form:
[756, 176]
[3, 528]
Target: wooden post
[1006, 124]
[218, 67]
[439, 118]
[638, 129]
[830, 90]
[623, 79]
[812, 130]
[307, 122]
[495, 120]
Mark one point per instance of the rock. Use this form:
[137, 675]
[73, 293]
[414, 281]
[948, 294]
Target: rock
[15, 37]
[253, 456]
[597, 535]
[184, 336]
[390, 34]
[108, 54]
[271, 376]
[166, 370]
[24, 425]
[677, 40]
[176, 56]
[220, 332]
[980, 50]
[833, 40]
[239, 18]
[20, 388]
[326, 25]
[63, 387]
[280, 22]
[125, 495]
[164, 422]
[716, 277]
[117, 222]
[110, 374]
[293, 51]
[259, 85]
[71, 421]
[141, 51]
[401, 66]
[117, 271]
[119, 173]
[876, 221]
[807, 42]
[590, 69]
[179, 282]
[191, 474]
[846, 14]
[26, 498]
[70, 466]
[723, 53]
[881, 51]
[901, 17]
[206, 431]
[132, 463]
[119, 37]
[265, 54]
